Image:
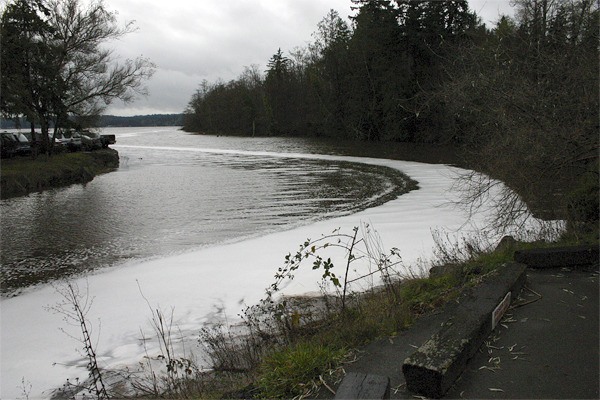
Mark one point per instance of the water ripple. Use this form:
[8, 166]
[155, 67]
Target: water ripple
[172, 199]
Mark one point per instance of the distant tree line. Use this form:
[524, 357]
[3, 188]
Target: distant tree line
[141, 120]
[411, 70]
[109, 120]
[521, 98]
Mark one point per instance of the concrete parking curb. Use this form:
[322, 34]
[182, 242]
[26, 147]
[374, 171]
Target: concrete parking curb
[572, 256]
[434, 367]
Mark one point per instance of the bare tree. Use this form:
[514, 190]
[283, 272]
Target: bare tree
[90, 75]
[524, 104]
[65, 69]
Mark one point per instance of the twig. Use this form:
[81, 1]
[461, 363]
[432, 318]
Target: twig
[326, 385]
[524, 303]
[397, 388]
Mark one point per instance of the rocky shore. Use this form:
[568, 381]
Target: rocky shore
[21, 176]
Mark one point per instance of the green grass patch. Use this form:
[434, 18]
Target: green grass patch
[421, 295]
[20, 176]
[378, 313]
[288, 372]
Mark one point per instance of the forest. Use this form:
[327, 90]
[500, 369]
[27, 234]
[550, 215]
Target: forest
[521, 97]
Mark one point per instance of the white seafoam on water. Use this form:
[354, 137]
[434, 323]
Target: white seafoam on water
[204, 285]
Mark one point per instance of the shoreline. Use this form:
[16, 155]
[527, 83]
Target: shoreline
[22, 176]
[540, 202]
[215, 291]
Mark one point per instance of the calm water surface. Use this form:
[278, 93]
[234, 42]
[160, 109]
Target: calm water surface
[172, 194]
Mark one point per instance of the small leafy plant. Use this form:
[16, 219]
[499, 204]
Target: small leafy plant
[278, 320]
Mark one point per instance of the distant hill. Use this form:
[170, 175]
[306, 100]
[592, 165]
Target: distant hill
[113, 120]
[142, 120]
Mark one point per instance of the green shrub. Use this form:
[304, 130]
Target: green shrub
[289, 372]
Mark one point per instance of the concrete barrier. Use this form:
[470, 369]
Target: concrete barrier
[572, 256]
[434, 367]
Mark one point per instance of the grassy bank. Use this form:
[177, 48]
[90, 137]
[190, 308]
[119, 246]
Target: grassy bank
[314, 345]
[23, 175]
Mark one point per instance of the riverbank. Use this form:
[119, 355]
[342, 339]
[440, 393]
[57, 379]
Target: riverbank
[21, 176]
[201, 283]
[207, 285]
[546, 196]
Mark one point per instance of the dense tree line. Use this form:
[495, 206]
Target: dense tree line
[520, 97]
[55, 66]
[355, 81]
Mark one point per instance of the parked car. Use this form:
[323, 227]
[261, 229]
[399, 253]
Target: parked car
[8, 145]
[15, 143]
[29, 136]
[24, 147]
[74, 140]
[60, 142]
[91, 140]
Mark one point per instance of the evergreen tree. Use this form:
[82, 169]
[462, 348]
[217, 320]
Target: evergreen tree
[330, 73]
[277, 90]
[378, 74]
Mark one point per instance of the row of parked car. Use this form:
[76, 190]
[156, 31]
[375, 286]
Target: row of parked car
[18, 143]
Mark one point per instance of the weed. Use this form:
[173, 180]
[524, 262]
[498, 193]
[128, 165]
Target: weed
[229, 352]
[74, 307]
[421, 295]
[309, 335]
[25, 388]
[366, 247]
[179, 371]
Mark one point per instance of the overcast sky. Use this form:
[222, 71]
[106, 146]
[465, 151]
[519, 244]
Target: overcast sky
[193, 40]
